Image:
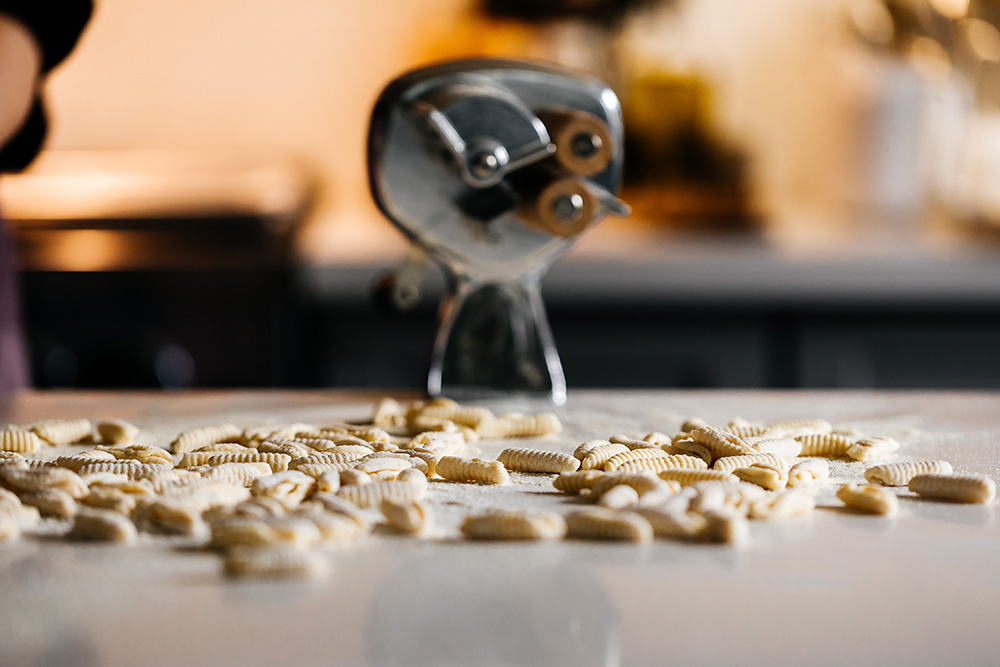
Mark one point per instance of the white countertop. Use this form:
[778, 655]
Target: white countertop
[831, 588]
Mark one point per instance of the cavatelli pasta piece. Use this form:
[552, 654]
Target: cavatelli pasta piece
[828, 445]
[585, 448]
[673, 523]
[333, 527]
[731, 463]
[783, 448]
[352, 477]
[632, 443]
[869, 499]
[792, 428]
[619, 497]
[413, 476]
[202, 453]
[720, 443]
[617, 460]
[110, 498]
[334, 503]
[327, 457]
[21, 441]
[900, 474]
[767, 475]
[133, 469]
[659, 464]
[514, 525]
[192, 439]
[726, 528]
[428, 457]
[278, 462]
[661, 440]
[240, 474]
[327, 482]
[600, 454]
[102, 525]
[388, 413]
[601, 523]
[22, 480]
[726, 497]
[275, 562]
[171, 516]
[575, 482]
[515, 425]
[523, 459]
[318, 469]
[206, 494]
[442, 443]
[957, 488]
[643, 482]
[373, 494]
[264, 531]
[689, 447]
[140, 453]
[61, 431]
[381, 464]
[116, 431]
[413, 518]
[687, 476]
[76, 461]
[457, 469]
[294, 449]
[782, 504]
[51, 502]
[809, 472]
[444, 408]
[872, 449]
[289, 487]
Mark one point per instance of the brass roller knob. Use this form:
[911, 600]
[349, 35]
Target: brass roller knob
[583, 141]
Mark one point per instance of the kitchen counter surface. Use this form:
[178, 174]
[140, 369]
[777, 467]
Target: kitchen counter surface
[830, 588]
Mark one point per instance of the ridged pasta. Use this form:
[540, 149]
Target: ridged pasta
[240, 474]
[642, 482]
[731, 463]
[687, 476]
[719, 443]
[278, 462]
[24, 442]
[457, 469]
[957, 488]
[900, 474]
[192, 439]
[575, 482]
[617, 460]
[783, 448]
[59, 432]
[523, 459]
[520, 426]
[600, 454]
[827, 445]
[372, 495]
[585, 448]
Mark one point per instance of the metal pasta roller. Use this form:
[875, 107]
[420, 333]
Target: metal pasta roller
[493, 169]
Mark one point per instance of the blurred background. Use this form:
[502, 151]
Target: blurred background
[815, 187]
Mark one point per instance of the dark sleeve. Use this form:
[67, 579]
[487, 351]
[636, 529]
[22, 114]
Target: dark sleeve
[56, 25]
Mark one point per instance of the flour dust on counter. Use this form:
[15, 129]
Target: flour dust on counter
[281, 500]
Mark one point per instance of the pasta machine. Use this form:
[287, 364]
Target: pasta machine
[494, 169]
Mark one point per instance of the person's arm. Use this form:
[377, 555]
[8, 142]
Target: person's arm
[20, 66]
